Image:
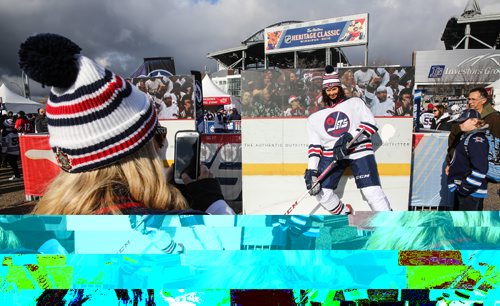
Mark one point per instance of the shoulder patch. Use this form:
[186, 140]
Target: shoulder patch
[478, 139]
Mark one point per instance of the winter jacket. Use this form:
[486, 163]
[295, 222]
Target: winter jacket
[41, 124]
[489, 115]
[442, 123]
[468, 167]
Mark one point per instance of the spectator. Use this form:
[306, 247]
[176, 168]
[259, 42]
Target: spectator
[187, 111]
[10, 148]
[171, 110]
[441, 120]
[478, 100]
[295, 109]
[110, 164]
[349, 85]
[177, 92]
[366, 77]
[41, 122]
[469, 165]
[404, 105]
[426, 117]
[141, 85]
[264, 106]
[23, 124]
[246, 103]
[220, 121]
[234, 115]
[381, 105]
[394, 89]
[154, 86]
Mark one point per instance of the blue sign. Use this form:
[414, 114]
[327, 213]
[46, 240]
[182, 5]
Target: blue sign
[351, 30]
[436, 71]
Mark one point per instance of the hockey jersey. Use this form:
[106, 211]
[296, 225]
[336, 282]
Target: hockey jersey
[10, 143]
[326, 126]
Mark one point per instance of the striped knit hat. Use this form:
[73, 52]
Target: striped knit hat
[94, 116]
[330, 78]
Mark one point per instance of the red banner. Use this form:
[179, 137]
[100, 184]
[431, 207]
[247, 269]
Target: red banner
[39, 163]
[216, 100]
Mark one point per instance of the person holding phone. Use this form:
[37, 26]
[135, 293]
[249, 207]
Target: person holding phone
[102, 131]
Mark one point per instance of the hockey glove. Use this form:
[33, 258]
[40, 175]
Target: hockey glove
[340, 149]
[465, 190]
[204, 193]
[311, 176]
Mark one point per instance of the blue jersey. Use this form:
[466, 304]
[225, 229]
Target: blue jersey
[469, 165]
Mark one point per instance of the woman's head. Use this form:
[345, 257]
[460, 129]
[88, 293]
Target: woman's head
[469, 120]
[139, 177]
[438, 111]
[332, 90]
[348, 78]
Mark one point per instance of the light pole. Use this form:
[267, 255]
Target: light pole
[21, 93]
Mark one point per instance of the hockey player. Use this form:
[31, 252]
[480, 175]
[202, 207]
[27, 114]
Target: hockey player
[329, 131]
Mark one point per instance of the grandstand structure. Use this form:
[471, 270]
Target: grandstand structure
[472, 29]
[251, 55]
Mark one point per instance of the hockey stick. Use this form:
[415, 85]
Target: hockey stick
[323, 174]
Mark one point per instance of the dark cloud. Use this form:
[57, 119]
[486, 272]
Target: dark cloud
[120, 33]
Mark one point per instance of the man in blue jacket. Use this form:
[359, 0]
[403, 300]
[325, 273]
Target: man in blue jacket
[467, 173]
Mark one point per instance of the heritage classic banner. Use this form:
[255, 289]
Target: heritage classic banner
[333, 32]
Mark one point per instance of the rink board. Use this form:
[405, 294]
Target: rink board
[274, 156]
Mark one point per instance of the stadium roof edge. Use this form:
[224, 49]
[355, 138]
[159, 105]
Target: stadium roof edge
[478, 18]
[234, 49]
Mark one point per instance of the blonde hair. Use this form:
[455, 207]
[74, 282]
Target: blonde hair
[436, 230]
[8, 240]
[139, 176]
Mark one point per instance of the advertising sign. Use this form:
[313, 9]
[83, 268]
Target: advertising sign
[457, 66]
[326, 33]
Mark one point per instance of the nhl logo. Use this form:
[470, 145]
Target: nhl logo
[198, 93]
[63, 160]
[336, 124]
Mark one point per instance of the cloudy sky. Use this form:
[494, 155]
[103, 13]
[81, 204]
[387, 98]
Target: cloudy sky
[120, 33]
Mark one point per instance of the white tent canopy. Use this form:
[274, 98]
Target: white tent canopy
[16, 103]
[213, 95]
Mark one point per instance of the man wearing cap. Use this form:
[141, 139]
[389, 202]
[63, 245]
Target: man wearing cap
[295, 109]
[380, 104]
[171, 110]
[478, 100]
[330, 130]
[469, 165]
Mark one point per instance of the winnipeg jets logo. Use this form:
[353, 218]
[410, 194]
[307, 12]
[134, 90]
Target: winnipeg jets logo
[478, 139]
[336, 124]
